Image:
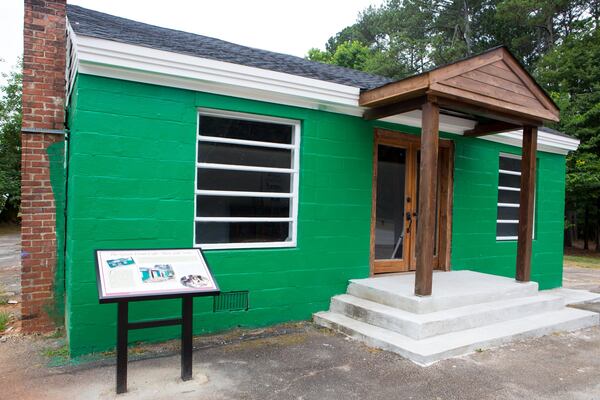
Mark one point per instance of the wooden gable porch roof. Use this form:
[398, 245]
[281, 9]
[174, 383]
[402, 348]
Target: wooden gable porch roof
[492, 88]
[496, 91]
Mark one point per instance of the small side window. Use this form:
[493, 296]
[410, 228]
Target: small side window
[509, 190]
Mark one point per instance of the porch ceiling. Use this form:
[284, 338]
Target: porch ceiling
[491, 88]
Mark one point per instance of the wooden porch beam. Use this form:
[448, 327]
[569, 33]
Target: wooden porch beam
[457, 104]
[525, 233]
[489, 128]
[430, 122]
[394, 109]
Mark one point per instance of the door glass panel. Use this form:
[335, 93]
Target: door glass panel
[437, 196]
[389, 223]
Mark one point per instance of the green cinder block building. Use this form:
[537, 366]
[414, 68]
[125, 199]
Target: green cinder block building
[292, 176]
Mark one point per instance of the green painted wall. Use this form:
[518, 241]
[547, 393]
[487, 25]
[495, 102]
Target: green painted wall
[474, 244]
[131, 185]
[56, 158]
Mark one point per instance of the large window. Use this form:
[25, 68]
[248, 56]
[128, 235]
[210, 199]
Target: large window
[246, 181]
[509, 191]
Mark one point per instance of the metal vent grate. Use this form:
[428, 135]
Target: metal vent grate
[231, 301]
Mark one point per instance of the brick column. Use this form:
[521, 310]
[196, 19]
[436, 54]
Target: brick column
[44, 60]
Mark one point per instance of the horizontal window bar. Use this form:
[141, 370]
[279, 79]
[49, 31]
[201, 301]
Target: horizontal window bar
[243, 219]
[507, 237]
[243, 142]
[508, 172]
[512, 189]
[245, 245]
[507, 221]
[232, 167]
[515, 205]
[243, 194]
[246, 117]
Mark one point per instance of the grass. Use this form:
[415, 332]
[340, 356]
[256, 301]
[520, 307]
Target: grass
[3, 297]
[62, 351]
[582, 261]
[4, 318]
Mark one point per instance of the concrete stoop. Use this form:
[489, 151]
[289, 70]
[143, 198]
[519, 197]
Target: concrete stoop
[467, 311]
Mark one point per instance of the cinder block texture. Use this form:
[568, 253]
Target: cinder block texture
[131, 185]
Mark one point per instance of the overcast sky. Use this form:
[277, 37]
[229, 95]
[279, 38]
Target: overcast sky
[285, 26]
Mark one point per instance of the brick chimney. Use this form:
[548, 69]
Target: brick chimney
[44, 61]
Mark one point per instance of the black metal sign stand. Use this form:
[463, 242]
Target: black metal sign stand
[123, 327]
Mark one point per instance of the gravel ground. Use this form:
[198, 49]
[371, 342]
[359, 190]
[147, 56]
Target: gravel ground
[581, 278]
[10, 259]
[305, 362]
[300, 361]
[10, 275]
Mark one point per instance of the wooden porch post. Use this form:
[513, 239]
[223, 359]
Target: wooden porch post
[528, 161]
[427, 193]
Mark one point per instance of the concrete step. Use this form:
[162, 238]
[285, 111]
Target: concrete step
[455, 289]
[430, 350]
[420, 326]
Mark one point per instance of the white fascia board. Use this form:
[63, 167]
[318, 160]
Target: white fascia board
[448, 123]
[137, 58]
[548, 142]
[72, 63]
[111, 59]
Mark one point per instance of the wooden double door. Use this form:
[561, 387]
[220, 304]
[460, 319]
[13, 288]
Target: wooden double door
[395, 215]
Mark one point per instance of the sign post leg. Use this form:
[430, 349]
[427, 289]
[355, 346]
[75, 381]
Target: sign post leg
[186, 337]
[122, 321]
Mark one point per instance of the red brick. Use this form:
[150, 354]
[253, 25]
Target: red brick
[43, 108]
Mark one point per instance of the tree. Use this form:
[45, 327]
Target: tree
[571, 73]
[351, 54]
[10, 147]
[410, 36]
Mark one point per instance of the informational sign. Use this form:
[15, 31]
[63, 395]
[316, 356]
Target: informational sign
[146, 274]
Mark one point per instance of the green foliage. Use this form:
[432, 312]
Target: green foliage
[10, 146]
[351, 54]
[571, 73]
[4, 319]
[583, 180]
[409, 36]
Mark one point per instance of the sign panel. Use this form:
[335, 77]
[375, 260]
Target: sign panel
[147, 274]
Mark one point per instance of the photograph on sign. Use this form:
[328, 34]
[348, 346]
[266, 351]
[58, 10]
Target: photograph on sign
[147, 273]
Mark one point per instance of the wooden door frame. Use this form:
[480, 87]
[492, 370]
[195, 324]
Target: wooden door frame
[446, 158]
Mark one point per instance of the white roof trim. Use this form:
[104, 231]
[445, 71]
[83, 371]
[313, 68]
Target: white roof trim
[111, 59]
[104, 52]
[547, 141]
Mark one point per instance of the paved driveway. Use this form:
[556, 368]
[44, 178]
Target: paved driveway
[581, 278]
[307, 362]
[10, 260]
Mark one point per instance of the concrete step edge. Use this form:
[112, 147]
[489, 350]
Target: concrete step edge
[419, 326]
[410, 304]
[431, 350]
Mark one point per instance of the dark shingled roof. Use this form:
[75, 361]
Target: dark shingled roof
[555, 132]
[87, 22]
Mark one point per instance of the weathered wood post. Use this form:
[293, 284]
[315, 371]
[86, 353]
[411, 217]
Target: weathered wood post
[527, 195]
[430, 119]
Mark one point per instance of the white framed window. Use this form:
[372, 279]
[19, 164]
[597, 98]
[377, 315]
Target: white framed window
[509, 192]
[247, 173]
